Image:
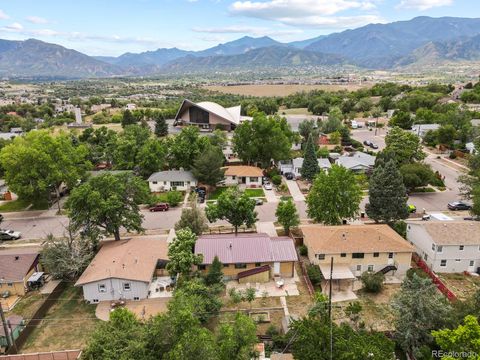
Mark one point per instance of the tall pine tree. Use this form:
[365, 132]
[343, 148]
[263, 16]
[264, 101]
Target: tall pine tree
[310, 166]
[387, 194]
[161, 127]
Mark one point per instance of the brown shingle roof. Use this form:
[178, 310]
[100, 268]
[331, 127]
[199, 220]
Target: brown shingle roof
[453, 232]
[353, 238]
[14, 267]
[243, 171]
[133, 259]
[245, 248]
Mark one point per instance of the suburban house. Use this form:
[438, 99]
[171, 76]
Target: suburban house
[449, 247]
[294, 166]
[249, 257]
[421, 129]
[17, 324]
[251, 176]
[16, 268]
[209, 115]
[357, 162]
[171, 180]
[356, 249]
[124, 269]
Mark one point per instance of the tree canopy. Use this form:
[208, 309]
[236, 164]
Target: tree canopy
[404, 146]
[180, 253]
[207, 168]
[310, 167]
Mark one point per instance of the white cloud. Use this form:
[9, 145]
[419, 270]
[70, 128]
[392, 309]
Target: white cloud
[274, 9]
[14, 27]
[332, 22]
[241, 29]
[423, 4]
[36, 20]
[3, 16]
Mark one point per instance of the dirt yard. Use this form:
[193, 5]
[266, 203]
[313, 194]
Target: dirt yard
[462, 285]
[278, 90]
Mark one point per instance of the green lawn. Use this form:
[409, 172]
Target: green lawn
[163, 197]
[250, 192]
[67, 324]
[21, 205]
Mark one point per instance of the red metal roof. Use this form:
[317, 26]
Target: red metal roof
[245, 248]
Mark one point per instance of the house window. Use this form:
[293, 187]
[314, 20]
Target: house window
[253, 179]
[425, 257]
[321, 256]
[343, 255]
[102, 288]
[240, 266]
[433, 247]
[177, 183]
[375, 254]
[202, 267]
[154, 182]
[359, 267]
[233, 177]
[439, 248]
[226, 265]
[472, 262]
[390, 255]
[457, 260]
[136, 298]
[461, 247]
[443, 263]
[258, 264]
[126, 287]
[370, 268]
[9, 284]
[358, 255]
[94, 300]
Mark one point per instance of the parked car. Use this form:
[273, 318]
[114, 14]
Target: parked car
[458, 205]
[412, 209]
[6, 234]
[201, 199]
[258, 202]
[265, 180]
[289, 176]
[373, 145]
[367, 143]
[159, 207]
[201, 190]
[268, 186]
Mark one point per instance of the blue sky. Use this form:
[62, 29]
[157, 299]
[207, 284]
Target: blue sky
[113, 27]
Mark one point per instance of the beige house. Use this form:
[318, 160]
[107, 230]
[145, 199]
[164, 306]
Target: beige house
[356, 249]
[209, 115]
[250, 176]
[16, 267]
[248, 257]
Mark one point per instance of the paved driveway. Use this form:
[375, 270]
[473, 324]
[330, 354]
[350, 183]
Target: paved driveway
[266, 227]
[295, 190]
[270, 196]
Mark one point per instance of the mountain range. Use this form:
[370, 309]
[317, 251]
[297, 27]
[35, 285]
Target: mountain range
[375, 46]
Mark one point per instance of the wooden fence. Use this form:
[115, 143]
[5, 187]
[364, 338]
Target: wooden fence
[35, 321]
[436, 280]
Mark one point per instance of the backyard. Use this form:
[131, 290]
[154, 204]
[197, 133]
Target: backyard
[66, 325]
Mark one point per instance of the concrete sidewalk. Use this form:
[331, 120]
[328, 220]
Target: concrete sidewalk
[295, 190]
[267, 228]
[270, 196]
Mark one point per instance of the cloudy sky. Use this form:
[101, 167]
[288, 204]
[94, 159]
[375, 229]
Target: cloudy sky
[113, 27]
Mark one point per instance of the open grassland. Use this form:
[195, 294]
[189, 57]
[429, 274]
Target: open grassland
[279, 90]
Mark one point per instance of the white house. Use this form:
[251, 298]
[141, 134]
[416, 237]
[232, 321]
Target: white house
[124, 270]
[249, 176]
[294, 166]
[171, 180]
[471, 147]
[449, 247]
[421, 129]
[356, 162]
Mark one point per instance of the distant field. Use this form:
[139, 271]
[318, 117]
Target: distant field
[294, 111]
[279, 90]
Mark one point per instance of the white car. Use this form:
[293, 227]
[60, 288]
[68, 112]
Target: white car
[9, 234]
[268, 186]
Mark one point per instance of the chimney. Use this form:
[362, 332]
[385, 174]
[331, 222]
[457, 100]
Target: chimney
[344, 236]
[17, 258]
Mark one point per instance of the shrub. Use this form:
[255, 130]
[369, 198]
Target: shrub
[372, 282]
[314, 274]
[400, 227]
[276, 180]
[174, 198]
[303, 250]
[272, 172]
[452, 155]
[419, 272]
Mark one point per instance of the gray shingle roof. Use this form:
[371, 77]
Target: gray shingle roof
[172, 175]
[245, 248]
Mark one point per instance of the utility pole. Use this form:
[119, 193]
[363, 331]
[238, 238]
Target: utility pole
[11, 336]
[5, 327]
[330, 308]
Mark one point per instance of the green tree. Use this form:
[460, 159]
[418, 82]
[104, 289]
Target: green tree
[180, 253]
[128, 145]
[263, 139]
[101, 144]
[161, 127]
[287, 215]
[310, 166]
[151, 157]
[38, 163]
[416, 175]
[192, 218]
[334, 121]
[404, 146]
[334, 196]
[207, 168]
[235, 207]
[196, 343]
[446, 134]
[307, 128]
[372, 282]
[121, 338]
[402, 119]
[185, 147]
[236, 340]
[463, 340]
[215, 274]
[387, 194]
[419, 308]
[106, 203]
[128, 119]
